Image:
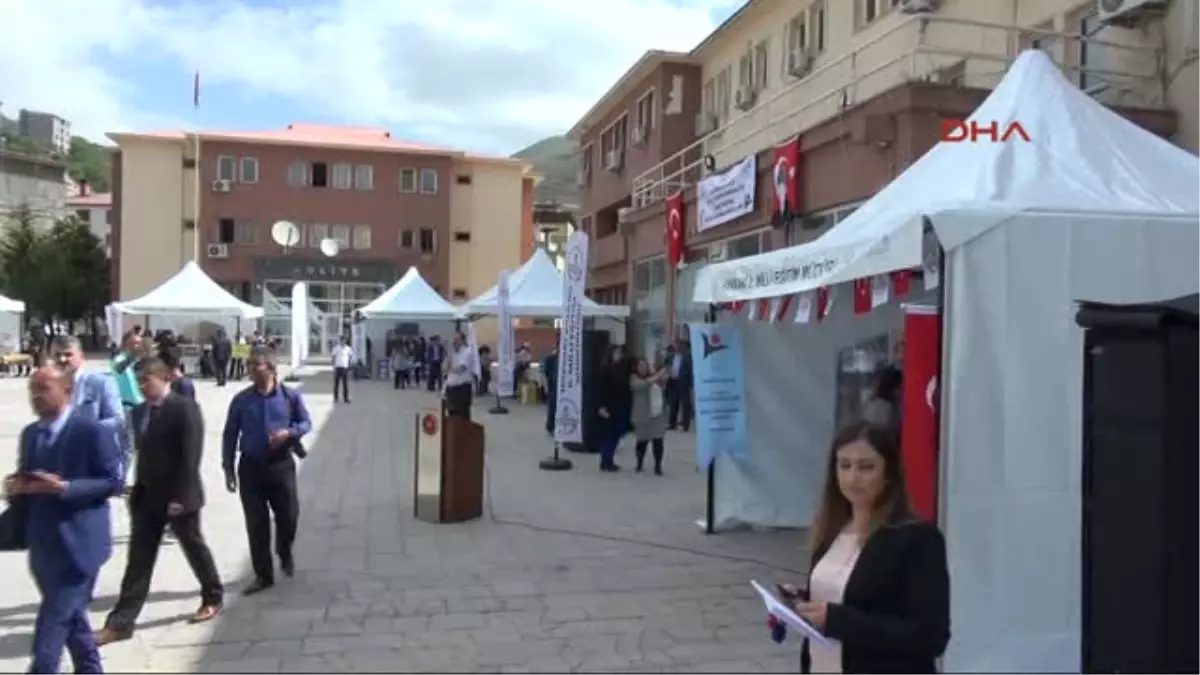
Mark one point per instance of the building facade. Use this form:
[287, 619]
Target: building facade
[863, 87]
[457, 217]
[47, 129]
[33, 182]
[95, 210]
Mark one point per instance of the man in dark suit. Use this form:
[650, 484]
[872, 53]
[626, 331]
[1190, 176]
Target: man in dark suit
[69, 467]
[434, 356]
[222, 352]
[168, 490]
[180, 383]
[679, 386]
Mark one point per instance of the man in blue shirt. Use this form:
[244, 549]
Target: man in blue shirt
[266, 422]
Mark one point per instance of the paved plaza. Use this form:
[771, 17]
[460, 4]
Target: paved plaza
[578, 571]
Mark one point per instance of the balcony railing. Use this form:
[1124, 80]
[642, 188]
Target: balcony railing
[922, 48]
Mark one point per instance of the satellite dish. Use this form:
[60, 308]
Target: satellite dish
[285, 234]
[330, 247]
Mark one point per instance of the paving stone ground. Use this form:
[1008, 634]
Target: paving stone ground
[577, 571]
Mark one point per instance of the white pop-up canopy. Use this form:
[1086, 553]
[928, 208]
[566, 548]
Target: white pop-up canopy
[11, 306]
[1092, 208]
[535, 290]
[1081, 158]
[413, 299]
[190, 292]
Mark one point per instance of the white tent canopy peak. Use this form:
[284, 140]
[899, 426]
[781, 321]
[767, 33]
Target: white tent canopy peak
[535, 290]
[190, 292]
[411, 298]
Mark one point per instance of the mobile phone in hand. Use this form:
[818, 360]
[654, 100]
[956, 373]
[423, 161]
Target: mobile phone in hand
[791, 593]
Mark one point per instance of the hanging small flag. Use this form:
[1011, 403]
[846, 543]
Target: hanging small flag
[804, 307]
[752, 314]
[736, 307]
[901, 282]
[779, 308]
[824, 301]
[881, 289]
[862, 296]
[196, 90]
[763, 312]
[931, 271]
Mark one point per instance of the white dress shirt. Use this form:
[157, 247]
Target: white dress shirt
[462, 368]
[343, 355]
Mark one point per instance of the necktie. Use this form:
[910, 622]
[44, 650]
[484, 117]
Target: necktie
[40, 443]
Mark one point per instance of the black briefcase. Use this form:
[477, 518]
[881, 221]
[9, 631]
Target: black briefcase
[14, 526]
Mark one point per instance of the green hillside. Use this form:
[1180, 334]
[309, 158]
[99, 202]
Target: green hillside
[556, 158]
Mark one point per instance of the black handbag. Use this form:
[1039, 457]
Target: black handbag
[14, 526]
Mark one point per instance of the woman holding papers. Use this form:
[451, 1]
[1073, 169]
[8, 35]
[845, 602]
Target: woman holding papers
[879, 586]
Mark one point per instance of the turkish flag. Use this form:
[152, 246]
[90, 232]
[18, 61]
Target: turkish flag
[785, 184]
[862, 296]
[823, 302]
[901, 282]
[919, 407]
[675, 229]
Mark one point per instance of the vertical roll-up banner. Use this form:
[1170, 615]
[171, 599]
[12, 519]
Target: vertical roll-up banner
[299, 324]
[919, 414]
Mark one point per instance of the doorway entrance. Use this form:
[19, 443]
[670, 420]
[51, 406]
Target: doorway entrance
[331, 306]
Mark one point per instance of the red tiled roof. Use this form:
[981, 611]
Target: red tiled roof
[92, 201]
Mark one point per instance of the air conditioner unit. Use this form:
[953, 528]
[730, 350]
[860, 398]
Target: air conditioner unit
[745, 97]
[222, 185]
[717, 253]
[219, 251]
[612, 160]
[638, 135]
[918, 6]
[800, 62]
[1128, 13]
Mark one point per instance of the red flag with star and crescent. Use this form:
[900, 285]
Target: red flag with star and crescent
[785, 184]
[675, 226]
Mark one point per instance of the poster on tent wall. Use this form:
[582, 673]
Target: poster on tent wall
[726, 196]
[299, 323]
[504, 340]
[568, 411]
[720, 392]
[919, 407]
[112, 322]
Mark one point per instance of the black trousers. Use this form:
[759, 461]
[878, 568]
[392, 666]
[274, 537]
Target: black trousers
[399, 379]
[145, 539]
[679, 405]
[268, 488]
[434, 378]
[639, 452]
[458, 401]
[341, 376]
[221, 370]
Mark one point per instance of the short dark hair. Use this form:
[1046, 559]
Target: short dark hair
[169, 358]
[154, 366]
[261, 354]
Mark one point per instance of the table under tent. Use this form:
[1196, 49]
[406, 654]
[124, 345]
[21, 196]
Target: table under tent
[1092, 208]
[409, 307]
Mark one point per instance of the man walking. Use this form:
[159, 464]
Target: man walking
[94, 395]
[343, 358]
[221, 354]
[266, 422]
[168, 490]
[69, 466]
[434, 357]
[679, 387]
[460, 379]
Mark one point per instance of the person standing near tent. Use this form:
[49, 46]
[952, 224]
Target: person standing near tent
[616, 402]
[221, 353]
[460, 378]
[434, 357]
[343, 359]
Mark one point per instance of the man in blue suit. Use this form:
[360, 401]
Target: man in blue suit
[95, 395]
[69, 467]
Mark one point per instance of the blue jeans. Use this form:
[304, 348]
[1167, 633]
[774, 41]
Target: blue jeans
[614, 429]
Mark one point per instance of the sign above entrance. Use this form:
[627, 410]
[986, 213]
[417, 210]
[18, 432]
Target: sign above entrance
[726, 196]
[308, 269]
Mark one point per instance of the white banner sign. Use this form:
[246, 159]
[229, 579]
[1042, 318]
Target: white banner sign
[728, 195]
[299, 324]
[473, 345]
[504, 340]
[568, 411]
[358, 341]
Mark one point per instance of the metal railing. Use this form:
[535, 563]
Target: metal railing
[922, 48]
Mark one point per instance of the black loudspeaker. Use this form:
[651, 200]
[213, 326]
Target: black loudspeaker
[595, 344]
[1140, 560]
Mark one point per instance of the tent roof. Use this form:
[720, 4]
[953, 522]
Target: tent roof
[12, 306]
[190, 292]
[1081, 158]
[411, 298]
[535, 290]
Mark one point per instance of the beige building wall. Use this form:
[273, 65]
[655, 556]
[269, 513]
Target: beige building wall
[491, 210]
[156, 192]
[965, 41]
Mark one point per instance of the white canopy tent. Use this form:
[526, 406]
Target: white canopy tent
[190, 293]
[11, 306]
[411, 299]
[535, 290]
[1092, 208]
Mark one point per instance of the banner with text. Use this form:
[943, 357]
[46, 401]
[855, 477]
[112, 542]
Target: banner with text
[504, 339]
[726, 196]
[299, 324]
[720, 391]
[568, 411]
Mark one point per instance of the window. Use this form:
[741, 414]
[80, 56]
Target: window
[816, 25]
[225, 231]
[762, 56]
[343, 176]
[724, 93]
[645, 113]
[744, 246]
[428, 241]
[297, 174]
[708, 97]
[797, 36]
[246, 233]
[317, 232]
[340, 234]
[364, 177]
[460, 294]
[319, 174]
[249, 170]
[1093, 58]
[462, 236]
[463, 180]
[866, 11]
[429, 181]
[406, 239]
[84, 216]
[586, 160]
[226, 168]
[362, 237]
[614, 138]
[408, 180]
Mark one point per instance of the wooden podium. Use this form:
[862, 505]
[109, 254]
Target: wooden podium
[447, 468]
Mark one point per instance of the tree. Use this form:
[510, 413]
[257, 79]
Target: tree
[90, 162]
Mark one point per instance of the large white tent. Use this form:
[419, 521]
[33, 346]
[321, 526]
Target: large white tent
[411, 299]
[1091, 208]
[535, 290]
[190, 293]
[11, 306]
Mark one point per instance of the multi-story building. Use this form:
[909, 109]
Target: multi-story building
[34, 182]
[864, 86]
[47, 129]
[213, 197]
[95, 210]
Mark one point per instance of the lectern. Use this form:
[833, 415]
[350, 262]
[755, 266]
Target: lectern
[448, 468]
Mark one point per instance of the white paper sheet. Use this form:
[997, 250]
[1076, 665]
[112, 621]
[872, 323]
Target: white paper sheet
[786, 614]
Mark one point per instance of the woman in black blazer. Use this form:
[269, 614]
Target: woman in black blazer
[879, 585]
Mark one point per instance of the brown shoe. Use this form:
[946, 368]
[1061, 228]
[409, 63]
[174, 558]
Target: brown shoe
[107, 636]
[205, 613]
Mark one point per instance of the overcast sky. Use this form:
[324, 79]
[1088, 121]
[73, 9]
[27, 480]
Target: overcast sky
[486, 75]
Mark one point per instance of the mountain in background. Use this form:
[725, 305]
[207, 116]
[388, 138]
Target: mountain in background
[557, 159]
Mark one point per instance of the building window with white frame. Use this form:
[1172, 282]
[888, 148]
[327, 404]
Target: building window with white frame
[762, 57]
[815, 224]
[362, 237]
[227, 168]
[408, 180]
[364, 177]
[428, 241]
[248, 170]
[724, 94]
[429, 181]
[816, 25]
[340, 234]
[317, 233]
[343, 177]
[245, 233]
[297, 174]
[645, 114]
